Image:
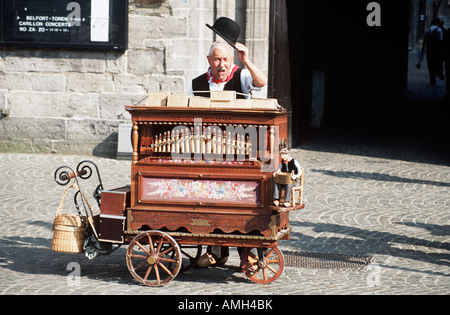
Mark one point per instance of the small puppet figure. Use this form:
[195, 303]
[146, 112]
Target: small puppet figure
[286, 176]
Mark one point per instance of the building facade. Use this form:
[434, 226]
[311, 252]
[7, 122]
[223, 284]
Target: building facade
[72, 101]
[326, 64]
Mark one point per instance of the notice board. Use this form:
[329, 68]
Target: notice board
[81, 24]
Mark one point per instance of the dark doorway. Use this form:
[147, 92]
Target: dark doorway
[359, 74]
[339, 62]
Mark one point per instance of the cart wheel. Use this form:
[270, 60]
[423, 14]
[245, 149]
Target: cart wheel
[153, 258]
[263, 271]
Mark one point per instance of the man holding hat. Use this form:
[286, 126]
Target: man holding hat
[223, 74]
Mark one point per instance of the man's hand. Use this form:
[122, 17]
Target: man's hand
[242, 52]
[259, 78]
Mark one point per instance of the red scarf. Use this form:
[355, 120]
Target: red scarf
[230, 76]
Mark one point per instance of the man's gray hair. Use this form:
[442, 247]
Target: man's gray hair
[223, 45]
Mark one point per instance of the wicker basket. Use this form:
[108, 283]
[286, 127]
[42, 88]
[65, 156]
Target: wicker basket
[68, 230]
[68, 220]
[68, 239]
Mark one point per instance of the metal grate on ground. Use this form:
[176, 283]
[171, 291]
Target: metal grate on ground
[326, 261]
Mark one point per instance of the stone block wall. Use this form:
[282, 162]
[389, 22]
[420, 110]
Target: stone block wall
[72, 102]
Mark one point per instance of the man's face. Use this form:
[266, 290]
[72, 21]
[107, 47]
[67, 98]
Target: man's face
[284, 156]
[221, 63]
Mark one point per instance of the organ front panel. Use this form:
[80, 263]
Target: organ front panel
[158, 134]
[204, 166]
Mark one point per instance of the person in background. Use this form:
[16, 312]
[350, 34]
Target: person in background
[432, 47]
[446, 49]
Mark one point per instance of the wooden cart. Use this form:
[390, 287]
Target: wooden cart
[199, 176]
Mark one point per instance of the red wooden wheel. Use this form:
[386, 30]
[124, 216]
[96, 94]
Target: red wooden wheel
[153, 258]
[264, 270]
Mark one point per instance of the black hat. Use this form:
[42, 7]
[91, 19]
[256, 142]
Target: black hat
[226, 28]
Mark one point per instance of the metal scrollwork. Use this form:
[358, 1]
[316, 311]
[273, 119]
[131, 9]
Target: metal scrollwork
[64, 174]
[85, 171]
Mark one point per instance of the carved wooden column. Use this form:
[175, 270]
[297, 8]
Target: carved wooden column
[271, 141]
[134, 139]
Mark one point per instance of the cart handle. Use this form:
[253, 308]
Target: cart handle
[64, 174]
[73, 175]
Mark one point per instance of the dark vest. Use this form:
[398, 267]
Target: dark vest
[289, 167]
[201, 84]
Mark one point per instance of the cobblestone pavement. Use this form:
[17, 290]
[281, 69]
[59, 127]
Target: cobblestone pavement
[361, 199]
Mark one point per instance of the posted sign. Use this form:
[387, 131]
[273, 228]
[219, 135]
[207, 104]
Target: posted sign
[82, 24]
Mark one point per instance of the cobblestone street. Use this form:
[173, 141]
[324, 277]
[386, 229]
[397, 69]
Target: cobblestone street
[361, 199]
[383, 195]
[368, 125]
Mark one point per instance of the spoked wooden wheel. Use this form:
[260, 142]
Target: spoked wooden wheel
[264, 270]
[153, 258]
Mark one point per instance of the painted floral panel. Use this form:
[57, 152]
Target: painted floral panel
[200, 190]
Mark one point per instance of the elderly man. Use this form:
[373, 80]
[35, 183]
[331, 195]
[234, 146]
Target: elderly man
[223, 74]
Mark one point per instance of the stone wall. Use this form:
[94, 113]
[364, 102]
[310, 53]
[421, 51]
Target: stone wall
[69, 101]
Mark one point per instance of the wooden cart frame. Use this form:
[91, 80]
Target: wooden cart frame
[231, 205]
